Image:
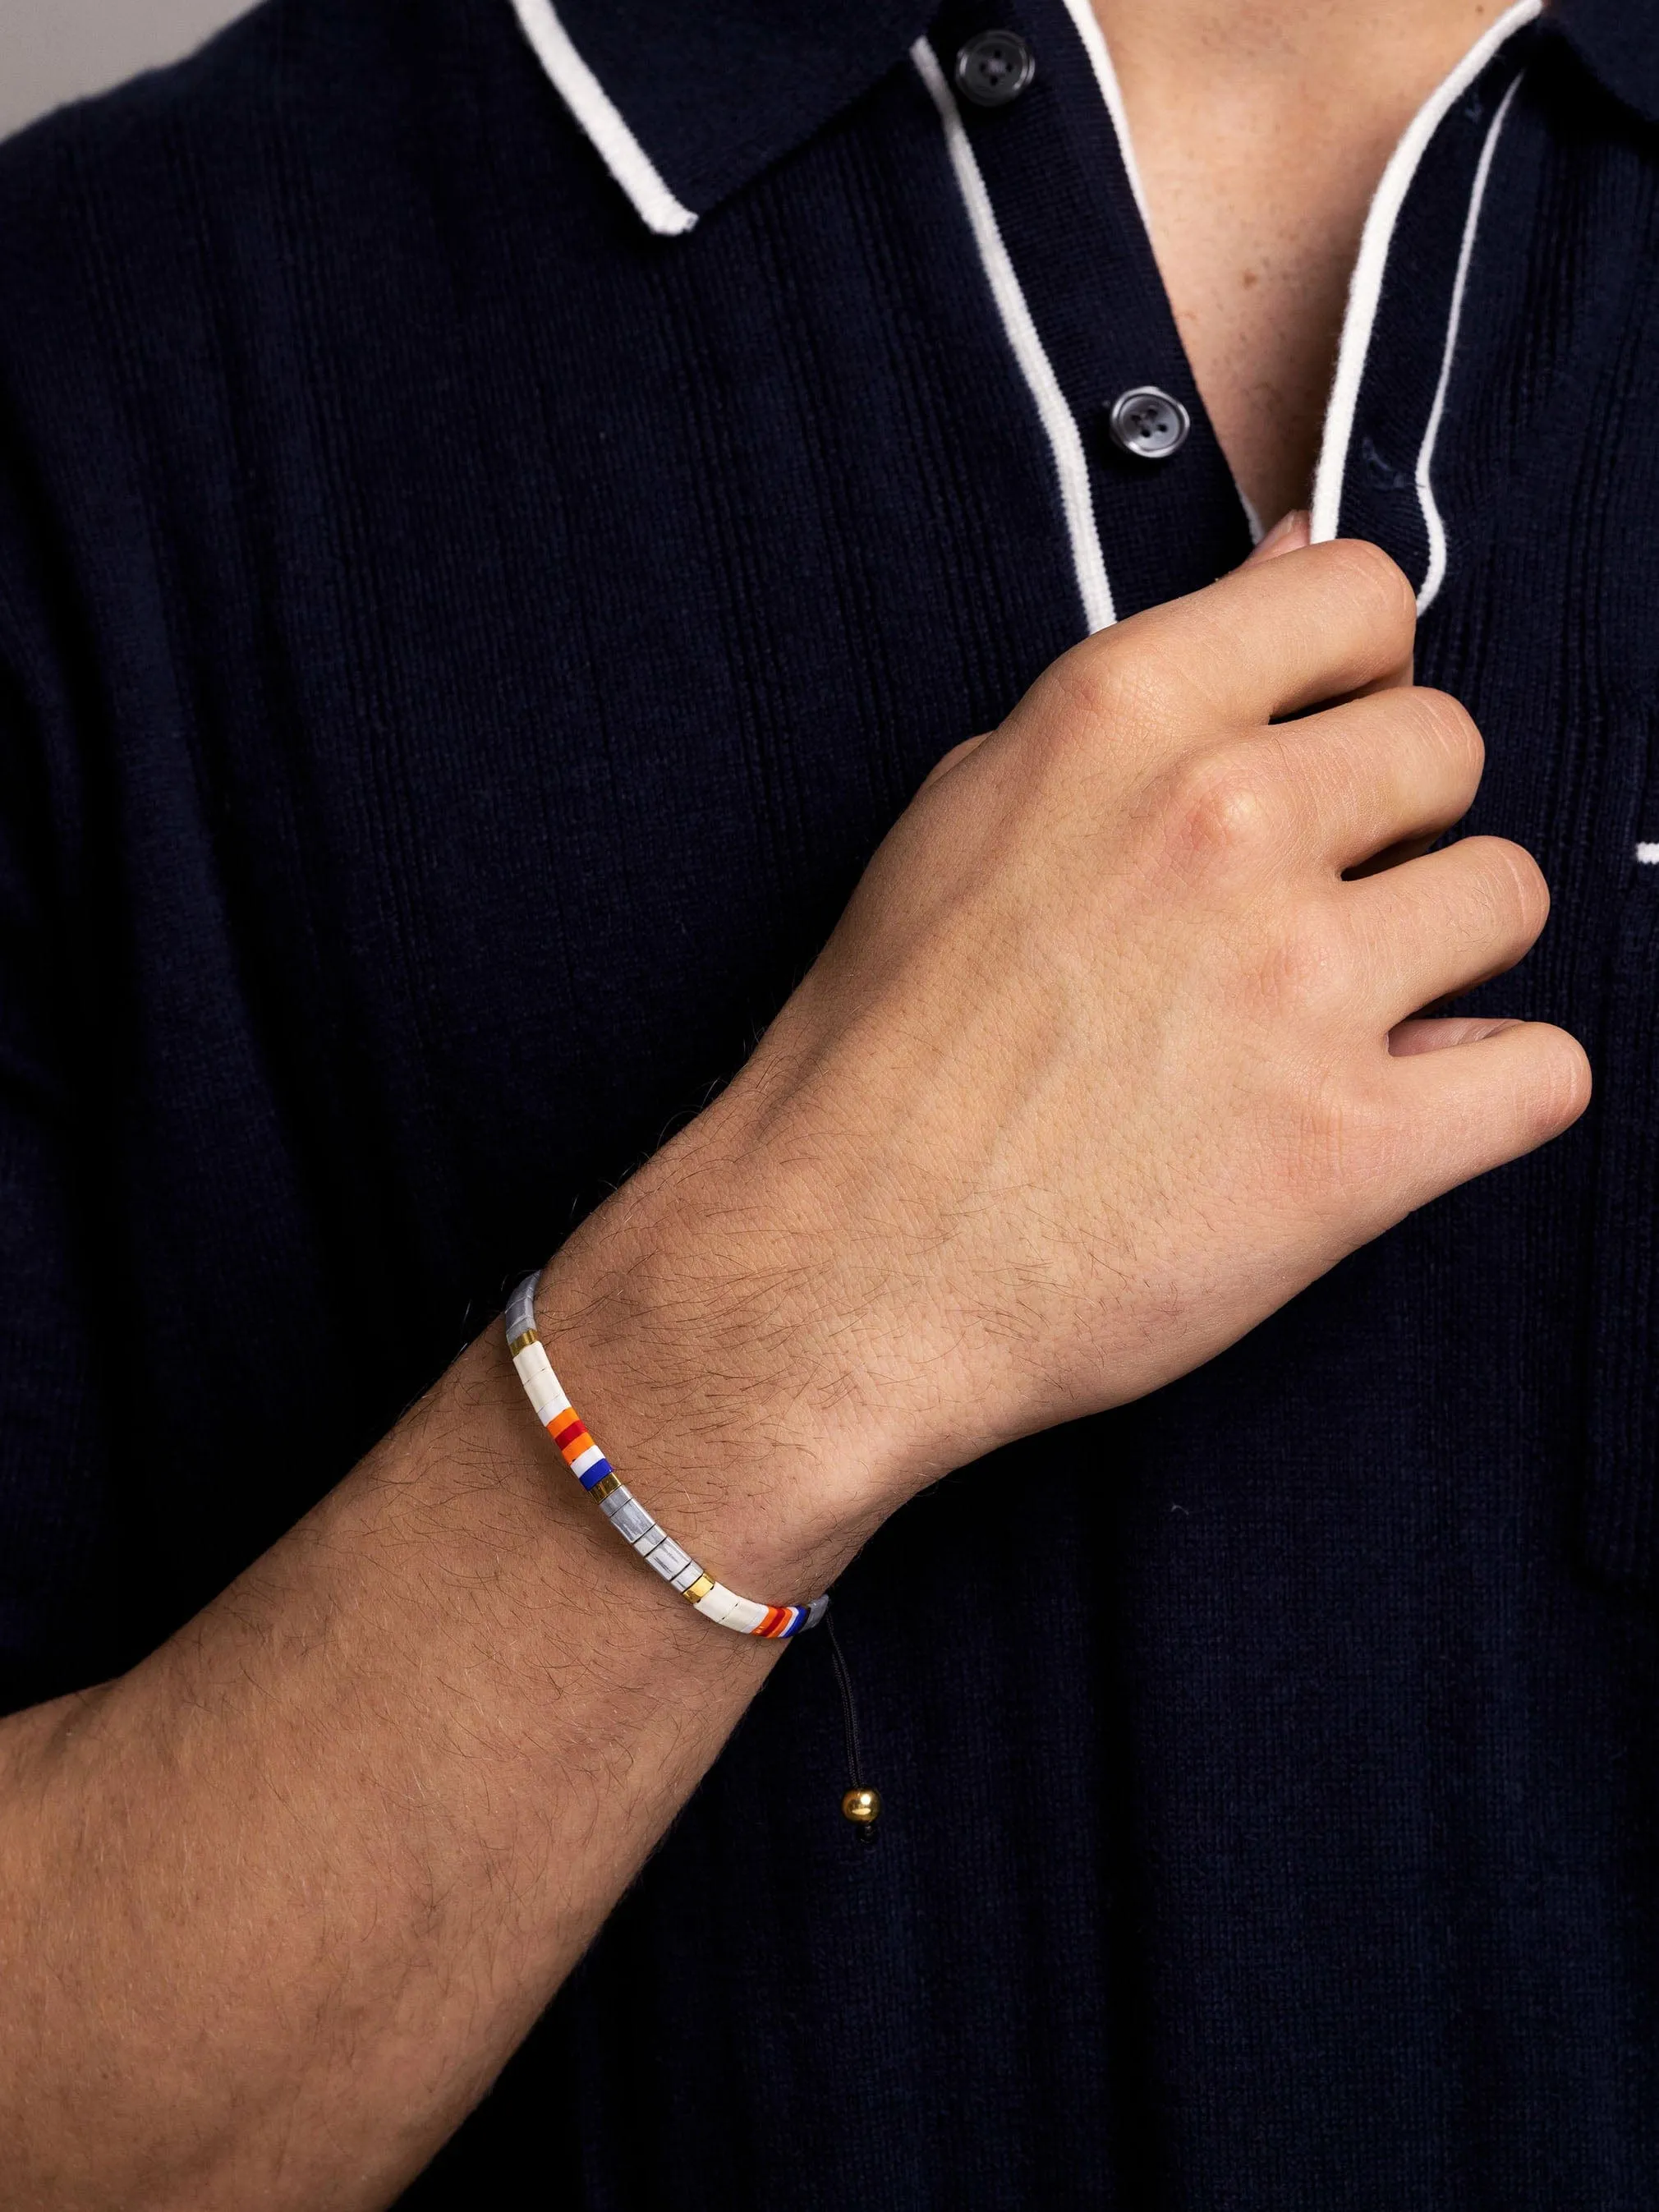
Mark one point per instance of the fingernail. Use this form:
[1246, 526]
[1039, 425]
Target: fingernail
[1289, 530]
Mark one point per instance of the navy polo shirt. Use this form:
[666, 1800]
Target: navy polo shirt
[496, 518]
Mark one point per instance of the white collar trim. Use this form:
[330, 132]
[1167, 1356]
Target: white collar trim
[600, 117]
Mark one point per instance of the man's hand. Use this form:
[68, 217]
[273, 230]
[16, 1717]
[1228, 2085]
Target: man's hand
[1112, 1054]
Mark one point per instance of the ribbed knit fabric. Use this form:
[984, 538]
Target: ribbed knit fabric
[397, 539]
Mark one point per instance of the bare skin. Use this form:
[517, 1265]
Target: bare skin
[1260, 130]
[279, 1903]
[1111, 1054]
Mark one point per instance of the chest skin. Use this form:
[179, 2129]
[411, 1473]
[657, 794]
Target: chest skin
[1260, 133]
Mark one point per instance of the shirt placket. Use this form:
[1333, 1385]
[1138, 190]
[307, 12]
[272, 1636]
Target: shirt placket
[1045, 150]
[1043, 144]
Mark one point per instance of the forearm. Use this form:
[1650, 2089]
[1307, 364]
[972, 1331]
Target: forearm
[281, 1902]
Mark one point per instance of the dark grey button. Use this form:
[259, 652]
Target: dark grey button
[1149, 424]
[994, 68]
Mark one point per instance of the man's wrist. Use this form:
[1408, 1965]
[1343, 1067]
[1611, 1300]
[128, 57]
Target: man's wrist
[683, 1321]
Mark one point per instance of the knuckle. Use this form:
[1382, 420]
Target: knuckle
[1377, 582]
[1307, 967]
[1560, 1089]
[1447, 722]
[1497, 891]
[1295, 962]
[1218, 805]
[1522, 889]
[1106, 681]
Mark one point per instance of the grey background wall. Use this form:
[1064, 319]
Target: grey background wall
[55, 49]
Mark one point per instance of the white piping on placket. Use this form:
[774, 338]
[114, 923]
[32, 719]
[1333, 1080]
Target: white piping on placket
[1065, 439]
[1059, 423]
[1086, 24]
[1435, 575]
[1365, 287]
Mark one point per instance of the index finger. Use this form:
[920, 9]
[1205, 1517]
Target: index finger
[1284, 634]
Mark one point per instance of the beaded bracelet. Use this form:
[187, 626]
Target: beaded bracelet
[617, 1503]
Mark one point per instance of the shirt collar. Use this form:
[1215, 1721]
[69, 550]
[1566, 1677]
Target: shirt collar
[688, 100]
[1618, 40]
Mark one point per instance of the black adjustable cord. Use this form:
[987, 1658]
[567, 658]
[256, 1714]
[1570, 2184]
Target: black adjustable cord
[859, 1803]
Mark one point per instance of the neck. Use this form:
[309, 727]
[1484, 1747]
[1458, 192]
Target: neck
[1261, 128]
[1268, 45]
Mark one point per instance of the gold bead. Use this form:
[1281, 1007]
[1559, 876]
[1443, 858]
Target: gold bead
[862, 1806]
